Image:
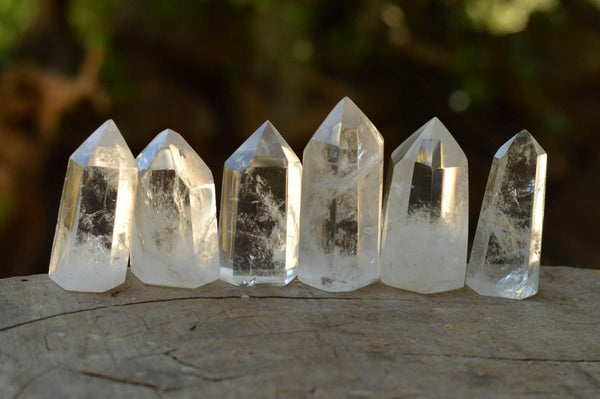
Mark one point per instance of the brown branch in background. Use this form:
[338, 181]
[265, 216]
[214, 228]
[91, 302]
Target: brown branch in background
[61, 94]
[32, 104]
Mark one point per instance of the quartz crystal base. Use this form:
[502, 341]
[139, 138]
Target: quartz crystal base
[91, 243]
[505, 258]
[506, 283]
[437, 269]
[252, 278]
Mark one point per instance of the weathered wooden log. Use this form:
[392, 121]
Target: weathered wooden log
[223, 341]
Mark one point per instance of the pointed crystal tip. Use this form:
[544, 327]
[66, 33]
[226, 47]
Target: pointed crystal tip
[160, 148]
[166, 138]
[522, 139]
[345, 118]
[106, 136]
[269, 139]
[433, 136]
[265, 142]
[167, 135]
[169, 151]
[433, 125]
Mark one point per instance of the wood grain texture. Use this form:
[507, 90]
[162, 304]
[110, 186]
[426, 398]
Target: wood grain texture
[223, 341]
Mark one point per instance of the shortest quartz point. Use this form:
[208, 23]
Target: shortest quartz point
[174, 237]
[91, 243]
[505, 258]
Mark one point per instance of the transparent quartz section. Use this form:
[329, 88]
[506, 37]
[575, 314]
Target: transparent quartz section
[505, 257]
[91, 242]
[174, 236]
[341, 202]
[425, 228]
[260, 210]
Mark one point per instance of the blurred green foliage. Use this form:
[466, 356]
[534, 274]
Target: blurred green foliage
[15, 17]
[505, 16]
[93, 21]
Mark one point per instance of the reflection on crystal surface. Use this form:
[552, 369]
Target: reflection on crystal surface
[425, 226]
[341, 202]
[505, 258]
[260, 206]
[174, 237]
[91, 243]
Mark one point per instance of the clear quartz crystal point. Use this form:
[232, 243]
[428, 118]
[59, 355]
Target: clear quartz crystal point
[425, 227]
[91, 243]
[341, 202]
[174, 235]
[260, 210]
[505, 258]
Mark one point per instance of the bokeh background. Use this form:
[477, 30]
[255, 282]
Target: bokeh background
[215, 70]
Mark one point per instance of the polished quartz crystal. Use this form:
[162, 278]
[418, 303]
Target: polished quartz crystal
[260, 209]
[174, 237]
[505, 258]
[341, 202]
[91, 243]
[425, 225]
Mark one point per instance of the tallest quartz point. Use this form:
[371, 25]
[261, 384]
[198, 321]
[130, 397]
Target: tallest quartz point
[91, 243]
[341, 202]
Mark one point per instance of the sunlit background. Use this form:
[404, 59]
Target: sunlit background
[215, 70]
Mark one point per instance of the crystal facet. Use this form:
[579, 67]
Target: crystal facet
[260, 209]
[91, 243]
[341, 202]
[174, 235]
[425, 225]
[505, 258]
